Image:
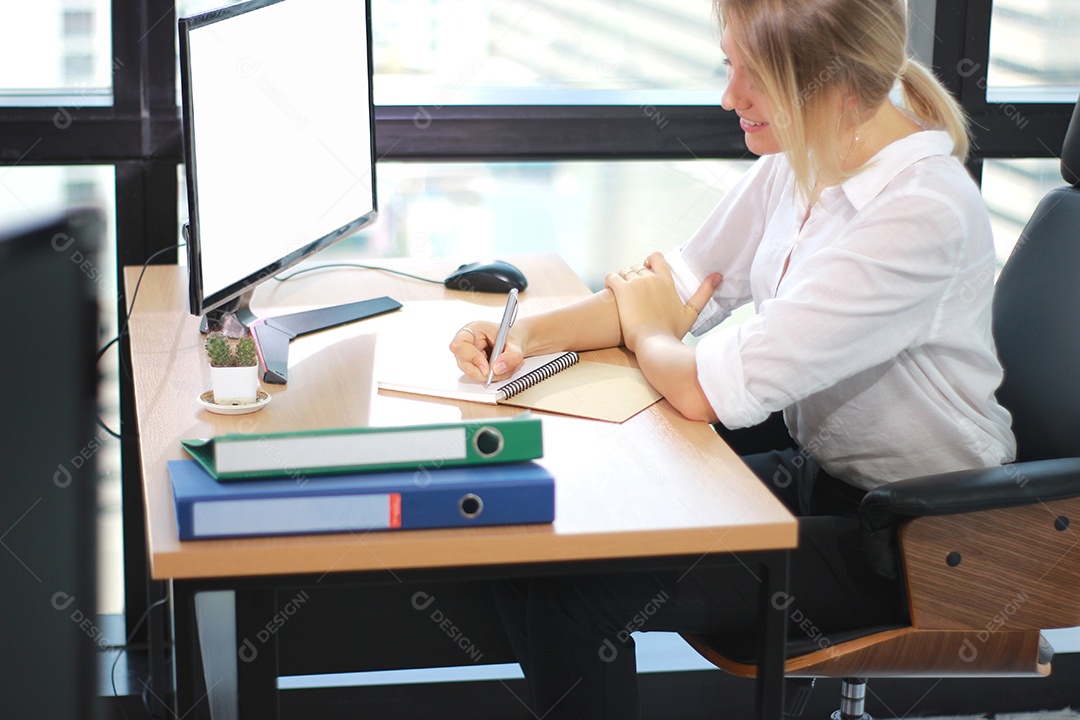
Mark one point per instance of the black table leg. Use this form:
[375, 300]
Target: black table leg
[158, 628]
[256, 644]
[189, 697]
[773, 638]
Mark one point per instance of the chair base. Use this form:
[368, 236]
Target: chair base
[852, 700]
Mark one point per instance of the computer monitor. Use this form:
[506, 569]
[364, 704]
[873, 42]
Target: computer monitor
[50, 635]
[279, 153]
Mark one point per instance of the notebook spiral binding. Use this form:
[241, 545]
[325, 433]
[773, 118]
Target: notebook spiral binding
[541, 373]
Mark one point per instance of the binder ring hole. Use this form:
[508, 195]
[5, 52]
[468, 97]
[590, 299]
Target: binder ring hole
[470, 505]
[488, 441]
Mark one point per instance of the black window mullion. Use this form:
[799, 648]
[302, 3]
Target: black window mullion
[146, 221]
[974, 65]
[1021, 131]
[546, 132]
[66, 134]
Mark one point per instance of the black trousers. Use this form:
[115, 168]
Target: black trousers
[572, 635]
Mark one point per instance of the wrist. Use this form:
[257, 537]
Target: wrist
[638, 337]
[519, 335]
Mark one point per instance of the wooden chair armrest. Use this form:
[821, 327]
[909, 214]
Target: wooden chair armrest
[1009, 569]
[884, 508]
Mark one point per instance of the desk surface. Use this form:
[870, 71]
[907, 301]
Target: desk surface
[654, 485]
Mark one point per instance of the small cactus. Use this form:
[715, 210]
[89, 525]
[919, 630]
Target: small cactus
[245, 352]
[223, 354]
[219, 350]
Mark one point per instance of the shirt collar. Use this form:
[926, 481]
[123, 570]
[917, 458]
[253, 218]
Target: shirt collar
[892, 160]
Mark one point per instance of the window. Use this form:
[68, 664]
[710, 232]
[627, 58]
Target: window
[56, 45]
[78, 68]
[1034, 56]
[78, 23]
[1012, 189]
[510, 52]
[598, 216]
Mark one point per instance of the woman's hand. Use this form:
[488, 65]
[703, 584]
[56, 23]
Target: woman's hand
[654, 320]
[473, 342]
[649, 304]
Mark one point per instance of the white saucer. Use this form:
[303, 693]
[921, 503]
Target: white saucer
[262, 399]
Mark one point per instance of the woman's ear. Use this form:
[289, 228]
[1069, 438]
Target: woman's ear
[846, 101]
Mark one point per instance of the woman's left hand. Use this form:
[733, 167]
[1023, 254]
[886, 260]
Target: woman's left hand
[649, 303]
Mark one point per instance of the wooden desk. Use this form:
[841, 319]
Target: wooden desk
[657, 487]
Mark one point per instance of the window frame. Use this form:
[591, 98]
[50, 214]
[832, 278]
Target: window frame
[961, 60]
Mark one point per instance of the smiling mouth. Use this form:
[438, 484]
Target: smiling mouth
[750, 127]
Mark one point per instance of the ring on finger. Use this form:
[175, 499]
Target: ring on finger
[468, 330]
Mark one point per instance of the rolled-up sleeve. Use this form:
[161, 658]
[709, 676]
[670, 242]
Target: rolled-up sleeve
[686, 282]
[726, 243]
[723, 379]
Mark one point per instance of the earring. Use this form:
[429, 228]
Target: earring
[854, 142]
[854, 138]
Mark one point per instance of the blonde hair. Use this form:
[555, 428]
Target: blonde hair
[800, 51]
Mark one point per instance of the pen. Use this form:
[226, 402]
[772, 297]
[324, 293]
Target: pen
[509, 313]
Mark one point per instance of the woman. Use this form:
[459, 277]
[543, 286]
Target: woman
[866, 250]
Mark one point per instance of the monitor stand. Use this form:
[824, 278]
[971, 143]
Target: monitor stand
[273, 334]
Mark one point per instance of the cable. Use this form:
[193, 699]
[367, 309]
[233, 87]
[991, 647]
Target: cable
[122, 332]
[290, 276]
[127, 319]
[131, 306]
[101, 424]
[280, 278]
[126, 647]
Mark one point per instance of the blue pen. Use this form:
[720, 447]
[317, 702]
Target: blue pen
[509, 314]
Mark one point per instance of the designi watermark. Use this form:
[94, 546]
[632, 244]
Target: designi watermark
[62, 601]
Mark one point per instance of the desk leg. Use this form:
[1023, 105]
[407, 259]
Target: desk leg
[241, 656]
[256, 643]
[773, 638]
[158, 638]
[189, 696]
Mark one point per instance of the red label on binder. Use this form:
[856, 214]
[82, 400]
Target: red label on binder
[395, 510]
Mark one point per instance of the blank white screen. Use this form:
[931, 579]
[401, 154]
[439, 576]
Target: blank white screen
[282, 132]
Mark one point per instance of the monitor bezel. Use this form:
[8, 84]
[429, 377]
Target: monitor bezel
[199, 302]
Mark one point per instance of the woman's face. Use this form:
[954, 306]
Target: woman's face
[742, 96]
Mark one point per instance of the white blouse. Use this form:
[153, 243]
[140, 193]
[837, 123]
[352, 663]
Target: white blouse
[876, 339]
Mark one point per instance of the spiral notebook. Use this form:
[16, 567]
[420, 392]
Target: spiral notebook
[556, 383]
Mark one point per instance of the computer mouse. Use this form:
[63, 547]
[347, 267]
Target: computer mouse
[494, 276]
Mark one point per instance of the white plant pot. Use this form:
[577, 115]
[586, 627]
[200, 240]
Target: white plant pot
[235, 385]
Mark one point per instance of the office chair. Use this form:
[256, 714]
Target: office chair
[991, 557]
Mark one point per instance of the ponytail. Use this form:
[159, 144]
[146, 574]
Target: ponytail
[925, 96]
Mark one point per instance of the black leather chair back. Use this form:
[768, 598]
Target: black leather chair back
[1037, 320]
